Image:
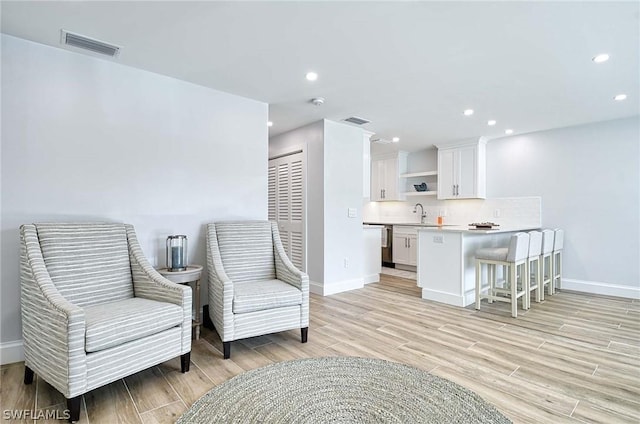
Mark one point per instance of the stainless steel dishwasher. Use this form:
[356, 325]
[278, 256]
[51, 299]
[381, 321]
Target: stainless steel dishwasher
[387, 246]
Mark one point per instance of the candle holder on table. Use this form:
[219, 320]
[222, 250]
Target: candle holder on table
[177, 253]
[179, 272]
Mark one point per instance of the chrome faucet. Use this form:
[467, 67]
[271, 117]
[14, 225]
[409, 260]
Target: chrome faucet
[422, 214]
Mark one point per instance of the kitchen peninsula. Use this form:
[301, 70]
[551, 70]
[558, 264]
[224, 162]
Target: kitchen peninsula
[446, 260]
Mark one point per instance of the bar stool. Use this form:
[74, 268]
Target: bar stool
[558, 242]
[546, 261]
[533, 266]
[515, 259]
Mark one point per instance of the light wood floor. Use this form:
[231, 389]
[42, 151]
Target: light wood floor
[574, 358]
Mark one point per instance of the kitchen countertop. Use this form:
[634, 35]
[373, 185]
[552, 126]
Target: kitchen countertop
[457, 228]
[467, 229]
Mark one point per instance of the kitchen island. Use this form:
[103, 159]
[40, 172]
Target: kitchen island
[446, 260]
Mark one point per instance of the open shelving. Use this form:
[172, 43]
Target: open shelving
[408, 184]
[419, 174]
[420, 193]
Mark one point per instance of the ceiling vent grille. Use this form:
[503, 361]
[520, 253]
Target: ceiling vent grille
[86, 43]
[357, 121]
[380, 140]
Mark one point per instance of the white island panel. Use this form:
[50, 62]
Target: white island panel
[372, 264]
[446, 263]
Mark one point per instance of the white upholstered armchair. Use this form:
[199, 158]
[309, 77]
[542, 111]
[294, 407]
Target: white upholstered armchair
[94, 310]
[254, 289]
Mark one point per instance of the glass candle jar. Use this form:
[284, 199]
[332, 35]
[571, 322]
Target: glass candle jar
[177, 253]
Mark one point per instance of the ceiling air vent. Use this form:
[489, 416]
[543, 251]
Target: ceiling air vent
[380, 140]
[86, 43]
[357, 121]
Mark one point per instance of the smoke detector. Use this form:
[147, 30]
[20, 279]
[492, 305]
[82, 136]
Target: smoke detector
[318, 101]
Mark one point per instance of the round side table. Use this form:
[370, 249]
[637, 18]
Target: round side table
[191, 274]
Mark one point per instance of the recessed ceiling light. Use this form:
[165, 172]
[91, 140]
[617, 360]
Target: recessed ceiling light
[508, 132]
[311, 76]
[600, 58]
[269, 124]
[620, 97]
[468, 112]
[395, 139]
[491, 122]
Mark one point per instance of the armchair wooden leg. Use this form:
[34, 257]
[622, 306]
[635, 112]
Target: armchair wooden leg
[304, 334]
[73, 405]
[226, 347]
[185, 362]
[28, 375]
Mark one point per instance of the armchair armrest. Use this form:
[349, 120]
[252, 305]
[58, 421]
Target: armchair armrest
[53, 328]
[285, 269]
[287, 272]
[149, 284]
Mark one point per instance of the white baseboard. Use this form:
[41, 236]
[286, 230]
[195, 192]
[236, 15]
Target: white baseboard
[373, 278]
[410, 268]
[443, 297]
[337, 287]
[597, 287]
[11, 352]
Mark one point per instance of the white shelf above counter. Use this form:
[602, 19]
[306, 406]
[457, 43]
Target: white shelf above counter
[419, 174]
[421, 193]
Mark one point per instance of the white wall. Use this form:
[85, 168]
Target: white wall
[343, 236]
[333, 154]
[589, 180]
[309, 139]
[88, 139]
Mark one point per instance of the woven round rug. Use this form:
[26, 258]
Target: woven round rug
[340, 390]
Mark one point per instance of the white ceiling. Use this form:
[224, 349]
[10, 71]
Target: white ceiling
[409, 67]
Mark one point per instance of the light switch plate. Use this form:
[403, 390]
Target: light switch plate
[353, 213]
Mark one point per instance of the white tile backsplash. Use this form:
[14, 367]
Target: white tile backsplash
[513, 211]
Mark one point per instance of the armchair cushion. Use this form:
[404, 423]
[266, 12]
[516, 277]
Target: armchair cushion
[250, 296]
[88, 263]
[246, 250]
[114, 323]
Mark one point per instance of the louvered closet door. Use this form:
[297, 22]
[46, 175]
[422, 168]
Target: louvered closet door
[286, 204]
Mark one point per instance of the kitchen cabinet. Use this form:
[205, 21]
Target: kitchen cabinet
[462, 170]
[405, 245]
[385, 176]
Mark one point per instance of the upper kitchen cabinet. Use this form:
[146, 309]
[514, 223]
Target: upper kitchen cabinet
[462, 170]
[385, 176]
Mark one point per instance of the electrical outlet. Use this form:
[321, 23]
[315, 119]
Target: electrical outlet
[346, 262]
[352, 213]
[496, 213]
[438, 239]
[443, 212]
